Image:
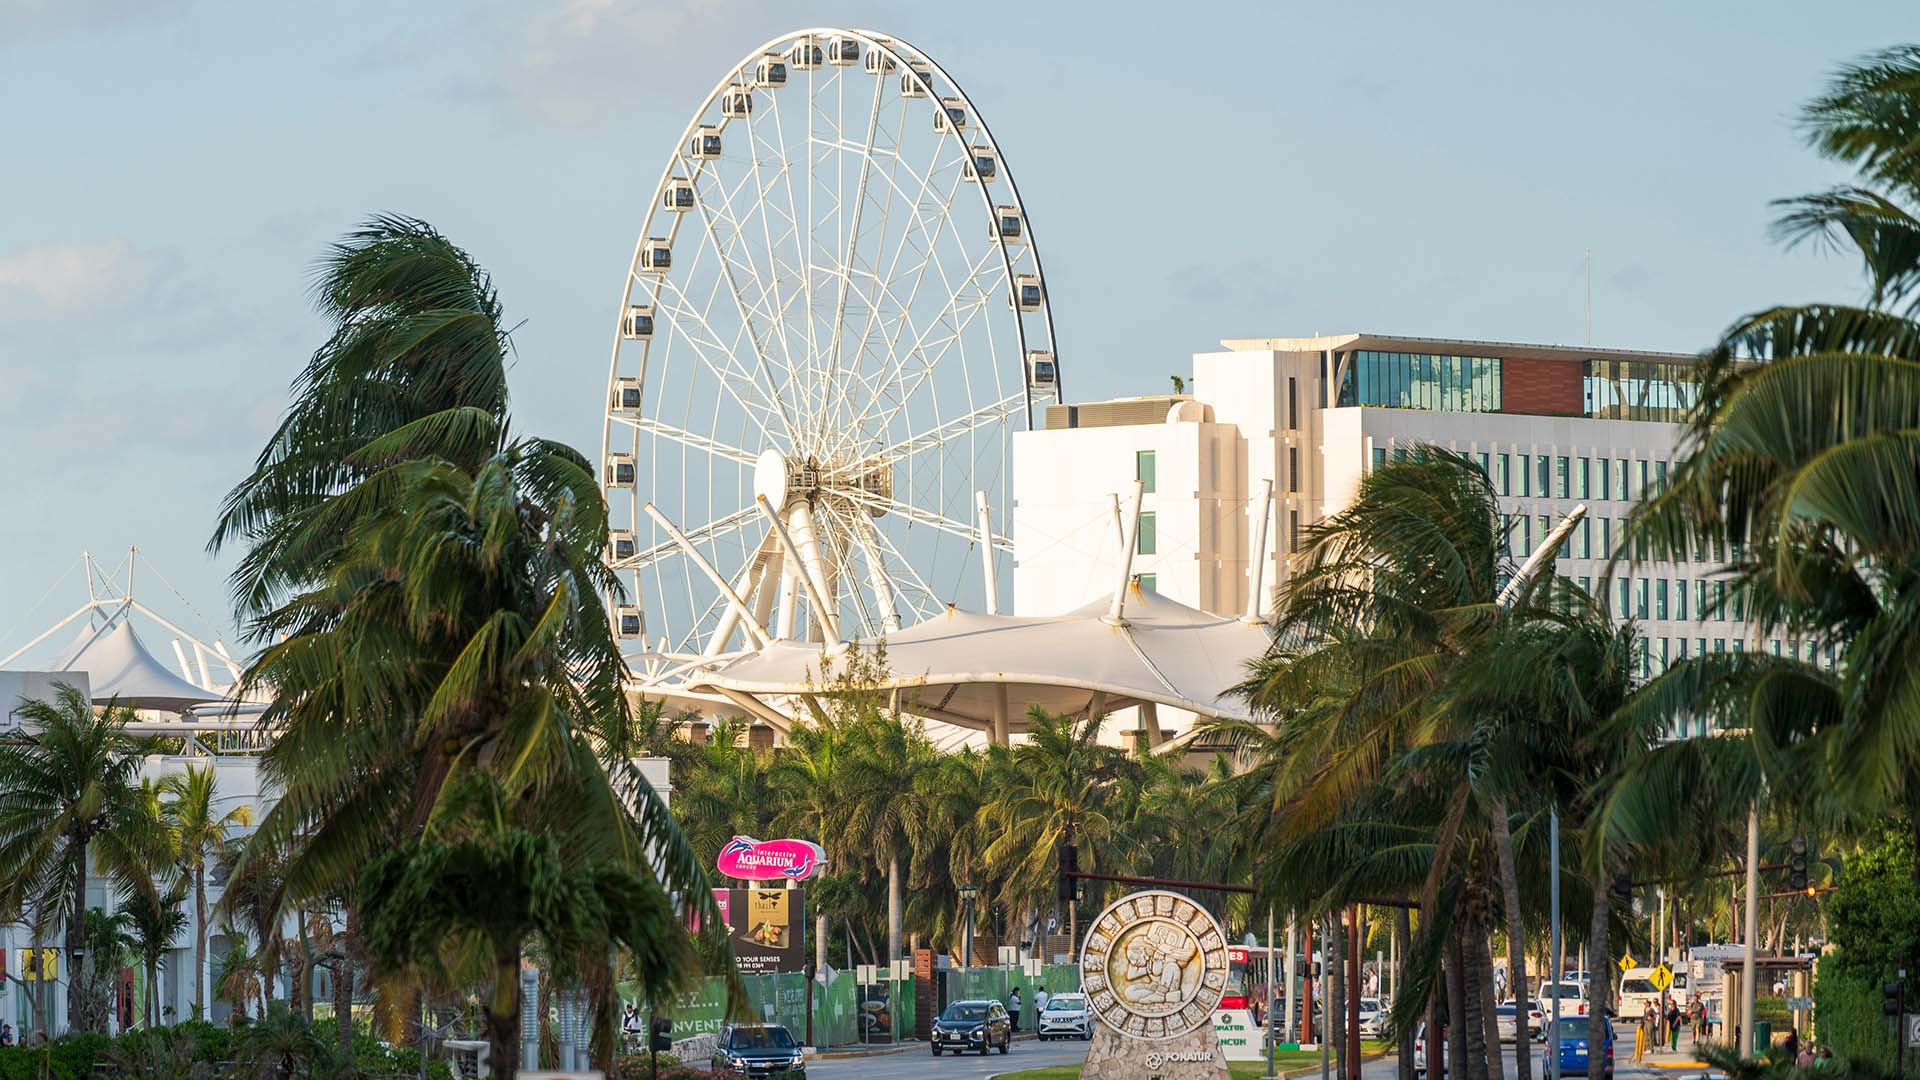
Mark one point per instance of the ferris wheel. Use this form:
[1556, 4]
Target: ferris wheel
[834, 321]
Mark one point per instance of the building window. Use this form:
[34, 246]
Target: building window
[1562, 482]
[1148, 542]
[1586, 584]
[1639, 389]
[1719, 645]
[1580, 478]
[1620, 479]
[1148, 582]
[1293, 402]
[1680, 599]
[1421, 381]
[1719, 602]
[1640, 594]
[1660, 598]
[1143, 469]
[1699, 646]
[1680, 648]
[1626, 598]
[1293, 468]
[1545, 525]
[1659, 476]
[1293, 530]
[1583, 540]
[1501, 478]
[1379, 456]
[1643, 468]
[1543, 476]
[1606, 538]
[1525, 469]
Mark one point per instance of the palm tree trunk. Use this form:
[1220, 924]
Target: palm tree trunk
[1436, 1054]
[77, 933]
[1597, 948]
[343, 1003]
[1489, 1008]
[503, 1015]
[1456, 1026]
[1333, 961]
[1472, 1027]
[1336, 968]
[201, 1010]
[603, 1005]
[894, 911]
[1516, 940]
[153, 988]
[1403, 930]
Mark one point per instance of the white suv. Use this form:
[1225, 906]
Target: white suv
[1066, 1017]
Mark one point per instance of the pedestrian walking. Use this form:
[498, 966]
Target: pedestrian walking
[634, 1028]
[1040, 999]
[1674, 1016]
[1013, 1007]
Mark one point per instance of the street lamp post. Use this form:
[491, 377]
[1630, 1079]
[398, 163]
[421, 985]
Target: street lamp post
[967, 894]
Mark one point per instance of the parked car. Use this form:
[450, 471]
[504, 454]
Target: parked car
[1373, 1017]
[972, 1025]
[744, 1050]
[1575, 1058]
[1573, 999]
[1067, 1017]
[1506, 1017]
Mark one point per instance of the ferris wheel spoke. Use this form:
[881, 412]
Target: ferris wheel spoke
[714, 530]
[726, 374]
[776, 308]
[919, 515]
[996, 413]
[910, 576]
[684, 437]
[900, 357]
[853, 239]
[776, 389]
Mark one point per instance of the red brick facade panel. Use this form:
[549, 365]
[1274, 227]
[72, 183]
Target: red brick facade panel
[1541, 387]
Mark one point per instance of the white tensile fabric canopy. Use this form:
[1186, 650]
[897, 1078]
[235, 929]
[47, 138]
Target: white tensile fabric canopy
[965, 668]
[120, 667]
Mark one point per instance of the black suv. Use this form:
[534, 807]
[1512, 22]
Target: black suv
[972, 1025]
[740, 1050]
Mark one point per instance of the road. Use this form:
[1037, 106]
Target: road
[1026, 1054]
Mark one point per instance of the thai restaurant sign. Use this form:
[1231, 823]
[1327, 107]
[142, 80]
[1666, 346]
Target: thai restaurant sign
[748, 859]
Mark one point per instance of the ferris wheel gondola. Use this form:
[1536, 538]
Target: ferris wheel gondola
[834, 322]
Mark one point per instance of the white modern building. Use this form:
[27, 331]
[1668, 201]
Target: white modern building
[1554, 426]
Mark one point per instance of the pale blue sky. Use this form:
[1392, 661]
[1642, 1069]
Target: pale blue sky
[171, 169]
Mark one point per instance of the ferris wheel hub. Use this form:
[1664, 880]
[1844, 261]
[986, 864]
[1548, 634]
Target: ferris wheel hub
[772, 478]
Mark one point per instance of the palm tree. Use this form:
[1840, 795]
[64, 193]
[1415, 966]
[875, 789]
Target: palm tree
[432, 591]
[497, 891]
[69, 800]
[155, 918]
[1061, 787]
[885, 755]
[1805, 469]
[199, 834]
[809, 780]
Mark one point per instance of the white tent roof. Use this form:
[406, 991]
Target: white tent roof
[949, 667]
[119, 666]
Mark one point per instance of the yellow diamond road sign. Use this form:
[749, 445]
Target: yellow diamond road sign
[1626, 962]
[1661, 978]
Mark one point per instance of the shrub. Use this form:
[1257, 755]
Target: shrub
[70, 1058]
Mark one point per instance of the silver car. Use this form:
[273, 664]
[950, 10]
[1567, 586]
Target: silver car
[1373, 1017]
[1066, 1017]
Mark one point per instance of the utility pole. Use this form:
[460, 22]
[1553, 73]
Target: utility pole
[1558, 961]
[1752, 921]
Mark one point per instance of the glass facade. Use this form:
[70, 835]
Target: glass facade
[1639, 390]
[1144, 469]
[1148, 542]
[1421, 381]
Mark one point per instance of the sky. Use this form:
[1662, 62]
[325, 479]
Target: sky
[171, 170]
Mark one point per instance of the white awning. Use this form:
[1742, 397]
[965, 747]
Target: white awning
[951, 667]
[120, 667]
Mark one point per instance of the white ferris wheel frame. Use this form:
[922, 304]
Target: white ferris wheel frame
[659, 663]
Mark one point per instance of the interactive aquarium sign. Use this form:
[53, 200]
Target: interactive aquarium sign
[771, 860]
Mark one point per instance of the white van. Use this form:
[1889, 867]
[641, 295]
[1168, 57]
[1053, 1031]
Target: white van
[1636, 993]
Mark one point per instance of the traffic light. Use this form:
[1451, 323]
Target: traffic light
[1797, 864]
[1069, 866]
[1893, 998]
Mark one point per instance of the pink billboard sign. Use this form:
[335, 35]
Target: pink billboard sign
[771, 860]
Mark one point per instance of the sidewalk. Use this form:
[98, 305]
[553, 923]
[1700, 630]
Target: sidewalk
[859, 1051]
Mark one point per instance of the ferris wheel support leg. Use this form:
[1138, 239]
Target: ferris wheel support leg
[748, 583]
[877, 574]
[700, 562]
[816, 595]
[807, 537]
